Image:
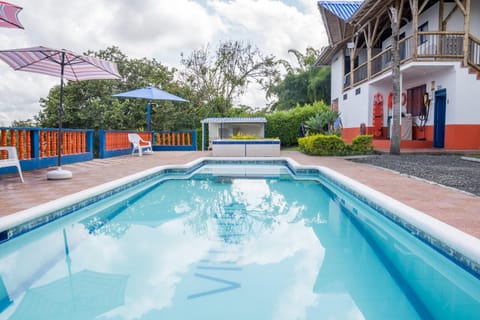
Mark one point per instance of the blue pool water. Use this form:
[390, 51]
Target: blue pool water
[230, 242]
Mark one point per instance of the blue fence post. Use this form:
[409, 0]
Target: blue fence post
[35, 147]
[194, 139]
[101, 144]
[89, 141]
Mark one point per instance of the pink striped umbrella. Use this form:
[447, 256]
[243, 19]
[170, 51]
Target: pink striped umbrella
[9, 15]
[59, 63]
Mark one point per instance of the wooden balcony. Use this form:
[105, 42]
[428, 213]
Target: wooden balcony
[428, 46]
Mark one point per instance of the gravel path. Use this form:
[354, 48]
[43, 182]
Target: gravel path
[448, 170]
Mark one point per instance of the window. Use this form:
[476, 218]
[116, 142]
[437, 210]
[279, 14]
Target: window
[422, 37]
[415, 99]
[347, 65]
[357, 91]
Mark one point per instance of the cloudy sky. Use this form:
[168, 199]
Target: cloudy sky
[160, 29]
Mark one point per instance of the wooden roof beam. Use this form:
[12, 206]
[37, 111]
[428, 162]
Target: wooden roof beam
[422, 7]
[461, 6]
[371, 9]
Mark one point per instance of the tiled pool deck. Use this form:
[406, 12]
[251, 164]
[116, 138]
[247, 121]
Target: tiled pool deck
[457, 208]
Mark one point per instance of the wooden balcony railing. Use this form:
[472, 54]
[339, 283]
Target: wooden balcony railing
[432, 46]
[473, 57]
[360, 73]
[440, 45]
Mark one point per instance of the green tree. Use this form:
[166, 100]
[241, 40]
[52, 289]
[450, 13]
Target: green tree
[89, 104]
[304, 84]
[284, 124]
[218, 77]
[29, 123]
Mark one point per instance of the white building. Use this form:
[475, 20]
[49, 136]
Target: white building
[439, 49]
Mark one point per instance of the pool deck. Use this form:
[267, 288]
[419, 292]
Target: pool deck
[457, 208]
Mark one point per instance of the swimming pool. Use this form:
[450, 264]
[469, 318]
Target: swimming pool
[239, 240]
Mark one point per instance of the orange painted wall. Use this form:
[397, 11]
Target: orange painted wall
[457, 137]
[349, 133]
[462, 137]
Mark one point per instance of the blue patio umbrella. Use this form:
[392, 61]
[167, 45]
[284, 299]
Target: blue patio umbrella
[150, 93]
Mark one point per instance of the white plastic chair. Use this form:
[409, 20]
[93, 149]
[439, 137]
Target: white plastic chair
[12, 160]
[140, 145]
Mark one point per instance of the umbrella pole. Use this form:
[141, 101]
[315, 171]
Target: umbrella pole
[149, 115]
[59, 173]
[60, 135]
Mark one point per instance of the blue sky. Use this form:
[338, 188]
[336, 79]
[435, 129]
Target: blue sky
[160, 29]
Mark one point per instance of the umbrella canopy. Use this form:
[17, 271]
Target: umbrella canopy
[60, 63]
[9, 15]
[149, 93]
[83, 295]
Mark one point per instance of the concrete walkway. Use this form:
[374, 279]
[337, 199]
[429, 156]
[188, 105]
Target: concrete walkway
[457, 208]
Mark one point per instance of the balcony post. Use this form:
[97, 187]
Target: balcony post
[368, 37]
[467, 32]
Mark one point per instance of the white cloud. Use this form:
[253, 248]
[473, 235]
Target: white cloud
[159, 29]
[272, 25]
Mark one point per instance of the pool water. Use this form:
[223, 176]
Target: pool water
[250, 243]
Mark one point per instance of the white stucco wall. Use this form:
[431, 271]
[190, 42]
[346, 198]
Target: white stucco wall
[355, 109]
[337, 77]
[475, 18]
[465, 105]
[455, 23]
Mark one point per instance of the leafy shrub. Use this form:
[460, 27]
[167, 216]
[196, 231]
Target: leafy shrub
[362, 144]
[322, 122]
[324, 145]
[332, 145]
[284, 124]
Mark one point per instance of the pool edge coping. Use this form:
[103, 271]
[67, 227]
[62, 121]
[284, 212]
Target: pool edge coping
[461, 242]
